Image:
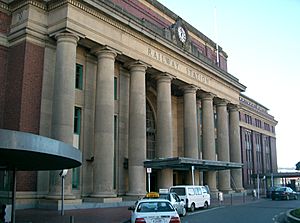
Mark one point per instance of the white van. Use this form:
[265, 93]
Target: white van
[194, 196]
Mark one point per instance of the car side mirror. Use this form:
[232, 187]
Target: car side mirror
[131, 208]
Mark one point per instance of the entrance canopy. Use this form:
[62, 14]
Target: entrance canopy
[26, 151]
[183, 163]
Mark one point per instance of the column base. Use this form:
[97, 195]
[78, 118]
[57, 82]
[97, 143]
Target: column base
[103, 199]
[58, 197]
[226, 190]
[239, 190]
[104, 195]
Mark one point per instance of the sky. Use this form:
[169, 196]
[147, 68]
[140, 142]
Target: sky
[262, 41]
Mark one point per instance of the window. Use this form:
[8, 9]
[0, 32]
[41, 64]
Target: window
[77, 120]
[79, 77]
[258, 152]
[151, 131]
[75, 178]
[249, 157]
[258, 123]
[77, 126]
[115, 88]
[248, 119]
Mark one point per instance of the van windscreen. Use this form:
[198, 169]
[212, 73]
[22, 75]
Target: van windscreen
[179, 191]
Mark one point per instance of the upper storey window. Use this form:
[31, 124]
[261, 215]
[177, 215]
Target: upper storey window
[79, 77]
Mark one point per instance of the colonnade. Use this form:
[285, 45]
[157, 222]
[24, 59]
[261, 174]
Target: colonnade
[63, 114]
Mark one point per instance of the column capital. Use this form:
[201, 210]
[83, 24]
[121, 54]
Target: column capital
[221, 102]
[233, 107]
[190, 89]
[67, 37]
[137, 65]
[207, 95]
[105, 51]
[164, 77]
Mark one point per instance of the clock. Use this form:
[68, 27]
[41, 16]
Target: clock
[181, 34]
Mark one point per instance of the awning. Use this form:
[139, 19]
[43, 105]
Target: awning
[183, 163]
[26, 151]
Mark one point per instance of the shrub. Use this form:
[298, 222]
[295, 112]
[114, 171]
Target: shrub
[296, 213]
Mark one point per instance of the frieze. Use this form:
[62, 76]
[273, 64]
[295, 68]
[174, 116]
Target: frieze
[167, 60]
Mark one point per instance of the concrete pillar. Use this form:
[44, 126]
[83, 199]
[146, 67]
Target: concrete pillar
[190, 123]
[223, 144]
[164, 127]
[190, 128]
[63, 104]
[137, 129]
[208, 138]
[103, 165]
[235, 146]
[123, 130]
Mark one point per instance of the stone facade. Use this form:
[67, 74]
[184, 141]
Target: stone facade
[143, 93]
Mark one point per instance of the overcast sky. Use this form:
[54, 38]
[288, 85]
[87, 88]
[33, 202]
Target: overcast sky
[262, 40]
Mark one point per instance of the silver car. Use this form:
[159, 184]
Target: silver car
[154, 211]
[178, 204]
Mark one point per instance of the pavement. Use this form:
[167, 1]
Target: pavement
[113, 214]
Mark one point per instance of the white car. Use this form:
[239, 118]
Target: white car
[178, 204]
[194, 196]
[154, 211]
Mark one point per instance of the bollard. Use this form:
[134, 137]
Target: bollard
[244, 197]
[254, 194]
[231, 199]
[220, 198]
[72, 219]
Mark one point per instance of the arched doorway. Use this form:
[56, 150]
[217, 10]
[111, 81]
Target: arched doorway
[151, 144]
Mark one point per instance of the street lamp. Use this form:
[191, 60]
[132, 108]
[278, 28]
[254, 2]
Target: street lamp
[62, 173]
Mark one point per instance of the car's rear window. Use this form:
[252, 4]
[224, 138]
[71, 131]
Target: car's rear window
[164, 196]
[179, 191]
[280, 189]
[159, 206]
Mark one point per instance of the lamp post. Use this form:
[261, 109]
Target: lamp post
[62, 173]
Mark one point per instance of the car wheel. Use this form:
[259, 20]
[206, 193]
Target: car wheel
[192, 207]
[205, 205]
[183, 212]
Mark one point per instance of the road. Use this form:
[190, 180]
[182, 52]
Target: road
[262, 211]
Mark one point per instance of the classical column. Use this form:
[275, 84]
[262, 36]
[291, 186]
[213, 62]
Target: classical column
[63, 104]
[208, 137]
[190, 127]
[164, 127]
[137, 129]
[235, 149]
[103, 165]
[123, 129]
[223, 143]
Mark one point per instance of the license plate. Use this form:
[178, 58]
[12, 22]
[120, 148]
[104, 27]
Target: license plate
[159, 220]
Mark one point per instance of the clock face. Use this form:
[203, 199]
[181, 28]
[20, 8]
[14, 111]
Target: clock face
[181, 34]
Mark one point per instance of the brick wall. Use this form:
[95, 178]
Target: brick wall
[5, 21]
[23, 98]
[24, 85]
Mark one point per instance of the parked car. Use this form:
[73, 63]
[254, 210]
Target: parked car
[178, 204]
[270, 190]
[154, 210]
[193, 196]
[284, 193]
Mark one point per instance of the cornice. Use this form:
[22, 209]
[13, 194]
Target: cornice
[4, 7]
[15, 5]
